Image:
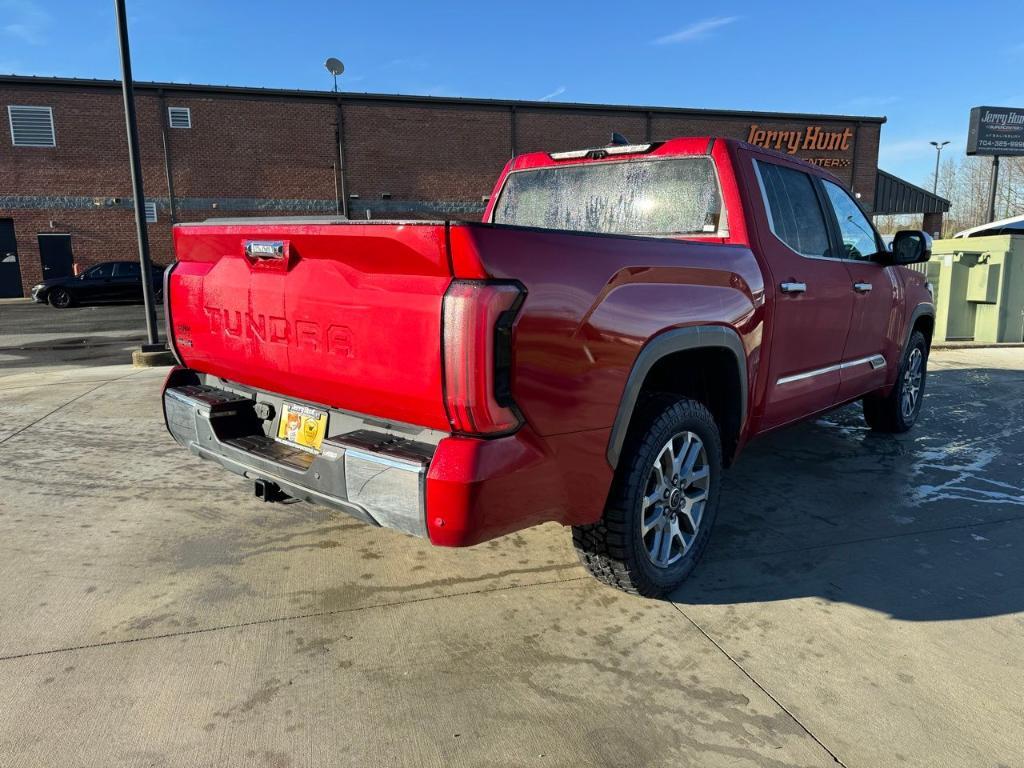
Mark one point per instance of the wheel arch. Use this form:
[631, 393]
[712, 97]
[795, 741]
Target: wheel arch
[662, 355]
[922, 318]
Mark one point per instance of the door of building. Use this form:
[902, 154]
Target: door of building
[55, 255]
[10, 270]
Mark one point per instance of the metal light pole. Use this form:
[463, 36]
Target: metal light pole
[136, 168]
[938, 153]
[994, 188]
[335, 67]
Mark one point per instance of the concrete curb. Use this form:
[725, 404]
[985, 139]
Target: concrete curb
[142, 359]
[978, 345]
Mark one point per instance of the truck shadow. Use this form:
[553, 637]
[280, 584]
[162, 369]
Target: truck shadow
[925, 526]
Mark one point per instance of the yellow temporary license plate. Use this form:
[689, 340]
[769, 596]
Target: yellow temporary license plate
[303, 426]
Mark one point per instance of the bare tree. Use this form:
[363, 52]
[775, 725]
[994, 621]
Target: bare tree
[966, 183]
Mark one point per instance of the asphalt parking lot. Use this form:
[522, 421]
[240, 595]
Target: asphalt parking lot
[861, 603]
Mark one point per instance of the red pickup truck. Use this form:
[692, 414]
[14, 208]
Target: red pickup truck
[594, 352]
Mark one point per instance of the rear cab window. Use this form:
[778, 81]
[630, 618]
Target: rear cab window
[794, 211]
[660, 197]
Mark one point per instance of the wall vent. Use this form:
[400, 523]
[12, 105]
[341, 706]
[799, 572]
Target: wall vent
[179, 117]
[150, 213]
[31, 126]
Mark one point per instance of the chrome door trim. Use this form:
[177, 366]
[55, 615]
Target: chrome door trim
[875, 361]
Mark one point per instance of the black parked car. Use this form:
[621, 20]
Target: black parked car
[107, 282]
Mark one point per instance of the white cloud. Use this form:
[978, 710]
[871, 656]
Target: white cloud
[554, 94]
[695, 31]
[27, 22]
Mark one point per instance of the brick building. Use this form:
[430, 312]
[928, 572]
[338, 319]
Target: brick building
[65, 188]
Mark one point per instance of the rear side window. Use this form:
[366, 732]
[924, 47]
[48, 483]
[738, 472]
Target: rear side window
[126, 269]
[674, 196]
[794, 212]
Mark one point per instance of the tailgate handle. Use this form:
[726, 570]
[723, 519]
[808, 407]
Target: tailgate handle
[265, 249]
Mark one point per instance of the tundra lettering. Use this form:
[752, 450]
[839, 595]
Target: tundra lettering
[335, 340]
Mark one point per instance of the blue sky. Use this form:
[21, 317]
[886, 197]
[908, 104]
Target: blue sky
[922, 64]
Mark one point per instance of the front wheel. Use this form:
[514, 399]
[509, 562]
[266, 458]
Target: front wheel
[60, 298]
[663, 502]
[898, 411]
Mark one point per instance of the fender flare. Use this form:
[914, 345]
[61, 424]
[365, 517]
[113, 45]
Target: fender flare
[924, 309]
[667, 343]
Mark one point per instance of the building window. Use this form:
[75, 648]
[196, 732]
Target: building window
[31, 126]
[150, 213]
[179, 117]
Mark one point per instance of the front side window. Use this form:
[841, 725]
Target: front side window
[673, 196]
[859, 241]
[793, 210]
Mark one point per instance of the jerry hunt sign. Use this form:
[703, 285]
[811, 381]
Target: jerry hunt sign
[813, 138]
[996, 131]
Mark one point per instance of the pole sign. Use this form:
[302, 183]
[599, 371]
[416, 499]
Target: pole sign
[996, 131]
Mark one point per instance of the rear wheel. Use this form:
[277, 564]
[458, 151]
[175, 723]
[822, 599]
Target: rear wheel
[663, 501]
[60, 298]
[898, 411]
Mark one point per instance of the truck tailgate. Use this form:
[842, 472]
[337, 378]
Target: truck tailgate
[345, 315]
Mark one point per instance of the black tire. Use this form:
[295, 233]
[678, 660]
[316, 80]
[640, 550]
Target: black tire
[60, 298]
[898, 411]
[615, 549]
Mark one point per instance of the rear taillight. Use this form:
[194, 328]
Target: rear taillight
[478, 318]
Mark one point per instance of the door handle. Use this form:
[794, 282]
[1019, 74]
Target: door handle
[862, 287]
[793, 287]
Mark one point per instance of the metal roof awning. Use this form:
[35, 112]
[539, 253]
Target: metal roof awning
[894, 195]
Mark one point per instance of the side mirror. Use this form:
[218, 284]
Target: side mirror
[911, 246]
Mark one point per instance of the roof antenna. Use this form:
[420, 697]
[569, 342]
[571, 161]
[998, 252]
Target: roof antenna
[618, 140]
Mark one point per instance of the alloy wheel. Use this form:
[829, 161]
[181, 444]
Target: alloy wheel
[912, 378]
[60, 298]
[674, 499]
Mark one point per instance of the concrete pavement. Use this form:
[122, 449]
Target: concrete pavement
[861, 603]
[37, 334]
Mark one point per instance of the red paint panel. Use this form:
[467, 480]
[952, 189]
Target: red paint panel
[353, 324]
[593, 301]
[481, 489]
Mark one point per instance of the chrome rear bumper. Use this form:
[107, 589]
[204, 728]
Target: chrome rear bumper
[376, 476]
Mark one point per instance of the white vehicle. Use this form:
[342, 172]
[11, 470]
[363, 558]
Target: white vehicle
[1011, 226]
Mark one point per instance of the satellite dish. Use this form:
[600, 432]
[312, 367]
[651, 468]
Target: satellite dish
[334, 66]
